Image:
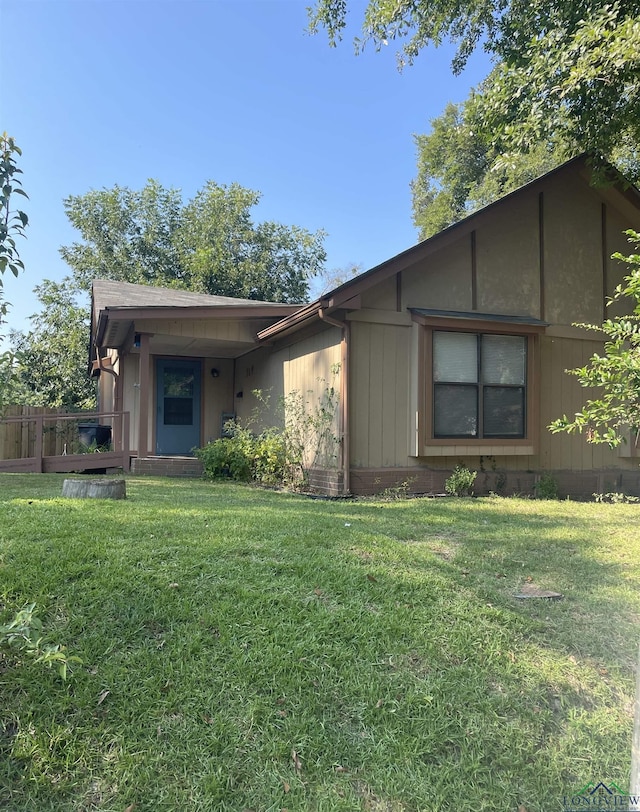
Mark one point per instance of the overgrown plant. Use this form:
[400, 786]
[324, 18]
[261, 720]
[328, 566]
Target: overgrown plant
[461, 481]
[277, 456]
[24, 635]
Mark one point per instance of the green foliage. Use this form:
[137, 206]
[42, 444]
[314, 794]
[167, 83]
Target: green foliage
[48, 372]
[546, 487]
[615, 498]
[610, 417]
[12, 223]
[461, 481]
[208, 245]
[460, 170]
[277, 456]
[245, 456]
[566, 73]
[24, 636]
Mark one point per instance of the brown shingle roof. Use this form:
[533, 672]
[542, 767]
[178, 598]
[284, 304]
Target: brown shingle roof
[107, 293]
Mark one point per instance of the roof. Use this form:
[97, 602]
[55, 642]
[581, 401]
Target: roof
[119, 307]
[346, 294]
[107, 293]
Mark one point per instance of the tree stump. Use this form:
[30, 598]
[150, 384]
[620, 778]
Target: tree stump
[94, 488]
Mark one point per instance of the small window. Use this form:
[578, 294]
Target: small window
[479, 385]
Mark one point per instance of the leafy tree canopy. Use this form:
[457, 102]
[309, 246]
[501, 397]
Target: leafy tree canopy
[50, 359]
[567, 72]
[209, 245]
[459, 171]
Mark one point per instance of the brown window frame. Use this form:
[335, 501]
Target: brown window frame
[462, 445]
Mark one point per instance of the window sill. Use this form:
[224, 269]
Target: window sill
[482, 447]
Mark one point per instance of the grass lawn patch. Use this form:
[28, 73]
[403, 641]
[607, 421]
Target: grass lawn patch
[248, 650]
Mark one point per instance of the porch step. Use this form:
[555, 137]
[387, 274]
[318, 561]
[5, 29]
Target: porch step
[167, 466]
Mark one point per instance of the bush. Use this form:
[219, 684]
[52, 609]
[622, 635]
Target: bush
[246, 457]
[277, 456]
[461, 481]
[546, 487]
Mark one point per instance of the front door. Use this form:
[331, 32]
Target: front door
[178, 406]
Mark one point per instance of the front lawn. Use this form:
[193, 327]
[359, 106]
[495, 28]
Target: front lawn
[248, 650]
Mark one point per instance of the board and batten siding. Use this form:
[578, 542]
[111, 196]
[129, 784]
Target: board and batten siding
[379, 394]
[544, 254]
[305, 367]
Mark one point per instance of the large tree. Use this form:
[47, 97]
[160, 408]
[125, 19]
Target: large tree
[210, 244]
[50, 366]
[459, 170]
[566, 70]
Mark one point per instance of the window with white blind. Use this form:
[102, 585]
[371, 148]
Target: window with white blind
[479, 385]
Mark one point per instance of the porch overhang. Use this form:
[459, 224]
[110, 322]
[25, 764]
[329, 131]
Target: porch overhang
[218, 331]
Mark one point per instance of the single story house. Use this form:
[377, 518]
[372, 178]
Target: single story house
[453, 351]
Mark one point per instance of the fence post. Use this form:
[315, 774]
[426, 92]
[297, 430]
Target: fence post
[39, 418]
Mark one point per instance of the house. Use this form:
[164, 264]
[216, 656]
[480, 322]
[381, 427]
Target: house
[453, 351]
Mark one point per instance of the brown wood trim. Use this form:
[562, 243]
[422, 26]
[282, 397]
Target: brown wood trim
[605, 261]
[144, 381]
[425, 404]
[541, 253]
[478, 325]
[474, 272]
[425, 386]
[200, 312]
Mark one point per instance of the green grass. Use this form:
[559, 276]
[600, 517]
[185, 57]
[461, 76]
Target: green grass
[378, 641]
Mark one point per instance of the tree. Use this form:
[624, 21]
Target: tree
[210, 245]
[12, 223]
[609, 417]
[460, 171]
[50, 367]
[330, 279]
[566, 70]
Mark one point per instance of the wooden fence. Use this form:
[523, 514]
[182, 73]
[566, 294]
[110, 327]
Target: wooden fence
[48, 440]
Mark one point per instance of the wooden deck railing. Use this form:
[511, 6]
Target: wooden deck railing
[35, 437]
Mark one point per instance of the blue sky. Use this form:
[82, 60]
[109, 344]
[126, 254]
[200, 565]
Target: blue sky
[99, 92]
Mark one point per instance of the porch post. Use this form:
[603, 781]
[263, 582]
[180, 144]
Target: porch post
[144, 379]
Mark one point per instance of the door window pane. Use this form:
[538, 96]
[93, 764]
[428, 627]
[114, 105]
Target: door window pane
[178, 383]
[455, 411]
[455, 357]
[178, 411]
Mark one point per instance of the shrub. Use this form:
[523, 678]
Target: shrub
[277, 456]
[546, 487]
[461, 481]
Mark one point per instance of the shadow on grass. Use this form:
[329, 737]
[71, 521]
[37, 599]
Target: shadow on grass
[232, 625]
